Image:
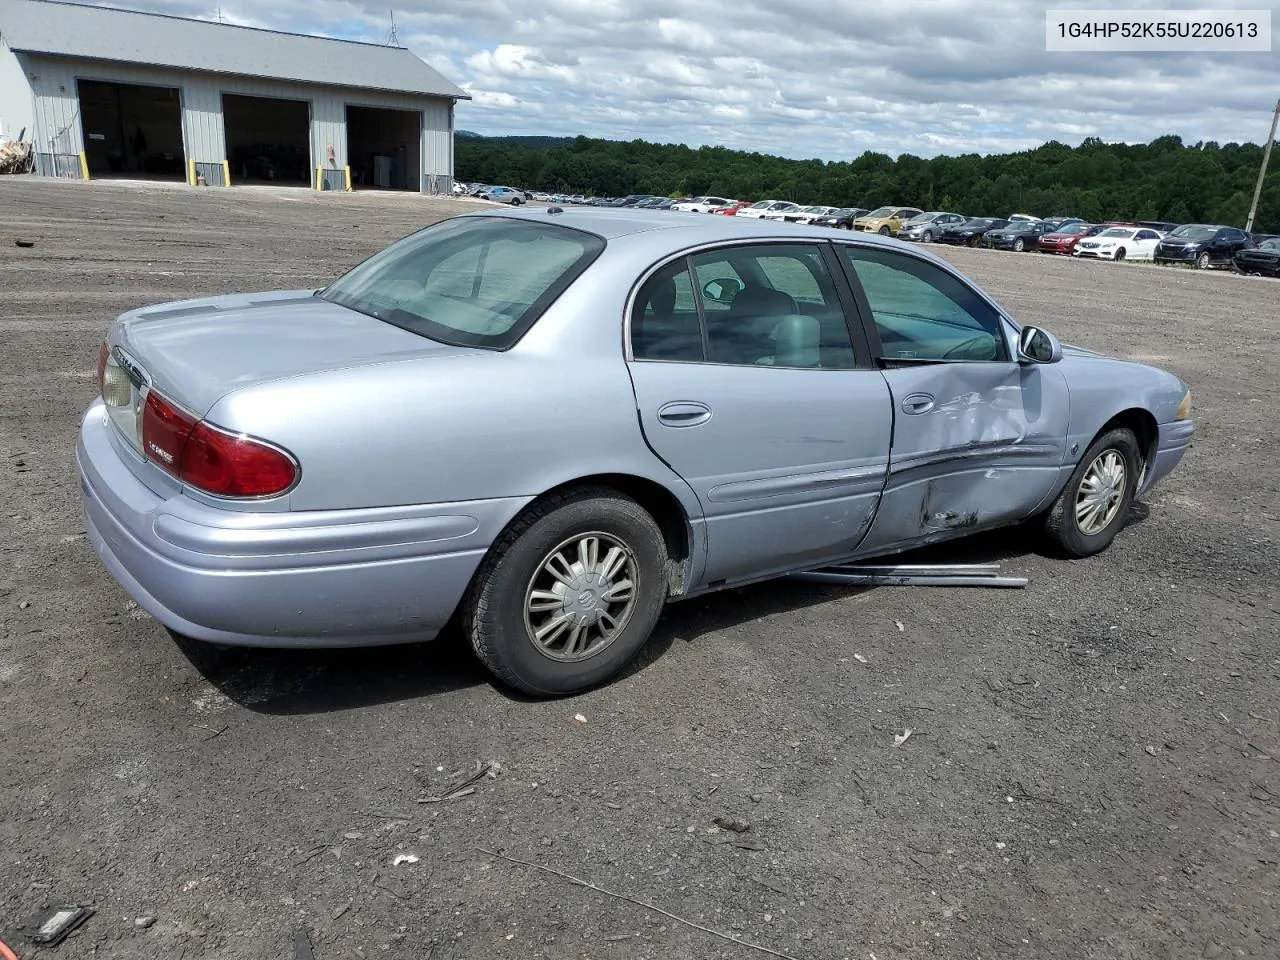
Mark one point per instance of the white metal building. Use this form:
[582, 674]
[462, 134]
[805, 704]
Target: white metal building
[102, 92]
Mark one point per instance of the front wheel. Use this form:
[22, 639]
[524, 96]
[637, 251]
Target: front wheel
[569, 594]
[1019, 245]
[1119, 255]
[1204, 261]
[884, 231]
[1095, 503]
[928, 236]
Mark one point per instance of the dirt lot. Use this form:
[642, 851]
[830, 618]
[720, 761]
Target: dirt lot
[1092, 774]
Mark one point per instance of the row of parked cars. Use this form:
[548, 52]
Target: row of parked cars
[1196, 244]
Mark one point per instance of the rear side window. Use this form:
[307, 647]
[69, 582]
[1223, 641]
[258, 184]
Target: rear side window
[471, 281]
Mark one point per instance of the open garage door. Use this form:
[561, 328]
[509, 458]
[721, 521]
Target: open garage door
[268, 140]
[132, 130]
[384, 148]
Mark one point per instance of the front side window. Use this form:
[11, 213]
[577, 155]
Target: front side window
[470, 281]
[922, 312]
[770, 305]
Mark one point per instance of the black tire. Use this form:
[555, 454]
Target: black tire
[1204, 261]
[1061, 525]
[1119, 255]
[1019, 245]
[884, 231]
[494, 609]
[974, 241]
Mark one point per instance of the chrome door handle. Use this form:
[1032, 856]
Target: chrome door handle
[917, 403]
[683, 413]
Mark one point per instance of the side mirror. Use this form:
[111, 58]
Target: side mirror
[1038, 346]
[722, 290]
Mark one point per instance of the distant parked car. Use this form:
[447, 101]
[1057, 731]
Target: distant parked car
[733, 208]
[758, 209]
[702, 204]
[1119, 243]
[885, 220]
[779, 211]
[927, 227]
[1022, 218]
[1020, 235]
[1064, 239]
[842, 219]
[808, 214]
[1205, 245]
[1263, 260]
[504, 195]
[407, 464]
[1164, 226]
[969, 233]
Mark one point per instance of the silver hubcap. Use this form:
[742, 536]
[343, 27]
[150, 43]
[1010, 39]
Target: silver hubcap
[1101, 493]
[581, 597]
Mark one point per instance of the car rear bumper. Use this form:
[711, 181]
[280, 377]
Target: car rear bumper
[1174, 440]
[302, 579]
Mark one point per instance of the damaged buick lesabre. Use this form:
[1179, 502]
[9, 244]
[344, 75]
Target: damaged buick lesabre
[547, 424]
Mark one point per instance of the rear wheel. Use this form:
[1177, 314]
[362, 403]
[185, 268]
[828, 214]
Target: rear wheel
[1204, 261]
[569, 594]
[1095, 503]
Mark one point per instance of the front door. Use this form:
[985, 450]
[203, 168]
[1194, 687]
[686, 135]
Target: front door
[748, 385]
[979, 439]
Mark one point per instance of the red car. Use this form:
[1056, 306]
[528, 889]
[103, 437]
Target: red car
[732, 209]
[1065, 240]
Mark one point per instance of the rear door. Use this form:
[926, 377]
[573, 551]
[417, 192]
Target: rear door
[979, 439]
[751, 383]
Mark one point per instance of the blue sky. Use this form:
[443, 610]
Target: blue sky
[800, 78]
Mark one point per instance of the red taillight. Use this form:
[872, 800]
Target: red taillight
[210, 459]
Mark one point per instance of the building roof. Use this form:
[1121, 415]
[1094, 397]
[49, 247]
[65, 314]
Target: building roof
[56, 28]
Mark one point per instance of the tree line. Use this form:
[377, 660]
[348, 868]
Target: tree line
[1162, 180]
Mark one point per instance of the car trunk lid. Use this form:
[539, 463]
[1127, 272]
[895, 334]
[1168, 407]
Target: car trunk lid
[195, 352]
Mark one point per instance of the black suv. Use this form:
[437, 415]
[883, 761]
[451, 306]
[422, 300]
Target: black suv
[1205, 245]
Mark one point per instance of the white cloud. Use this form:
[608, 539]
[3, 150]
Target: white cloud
[801, 79]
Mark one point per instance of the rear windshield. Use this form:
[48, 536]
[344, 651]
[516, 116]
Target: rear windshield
[470, 281]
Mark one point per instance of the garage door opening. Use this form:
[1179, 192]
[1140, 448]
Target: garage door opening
[384, 148]
[268, 140]
[132, 130]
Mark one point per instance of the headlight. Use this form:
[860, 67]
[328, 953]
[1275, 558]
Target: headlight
[1184, 408]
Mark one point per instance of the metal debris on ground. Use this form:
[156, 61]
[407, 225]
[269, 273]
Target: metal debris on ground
[24, 244]
[53, 925]
[900, 738]
[404, 858]
[484, 769]
[913, 575]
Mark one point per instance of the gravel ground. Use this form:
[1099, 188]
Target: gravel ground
[1092, 773]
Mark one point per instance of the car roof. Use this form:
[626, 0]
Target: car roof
[614, 222]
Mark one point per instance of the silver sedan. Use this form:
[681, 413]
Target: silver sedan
[551, 423]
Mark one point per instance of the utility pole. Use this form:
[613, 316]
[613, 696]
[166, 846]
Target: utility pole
[1262, 174]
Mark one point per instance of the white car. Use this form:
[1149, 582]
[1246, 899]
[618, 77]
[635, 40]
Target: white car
[1023, 218]
[1120, 243]
[701, 204]
[779, 211]
[757, 210]
[807, 214]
